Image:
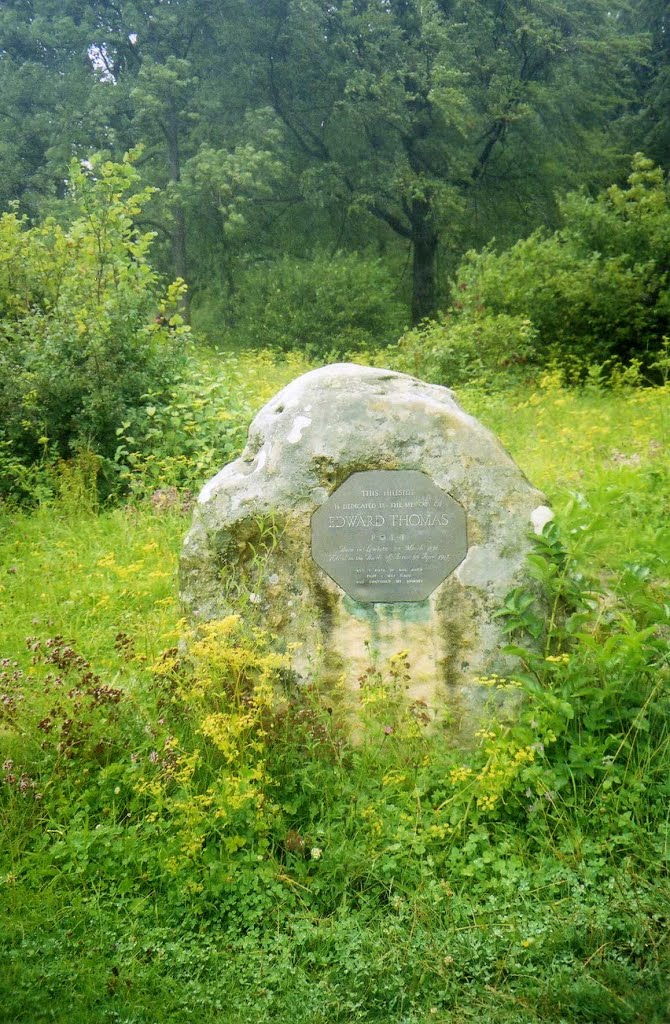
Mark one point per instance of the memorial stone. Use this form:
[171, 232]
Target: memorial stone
[368, 515]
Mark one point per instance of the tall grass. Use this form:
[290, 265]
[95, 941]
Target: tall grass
[199, 839]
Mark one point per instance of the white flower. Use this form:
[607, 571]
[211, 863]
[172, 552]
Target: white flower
[315, 853]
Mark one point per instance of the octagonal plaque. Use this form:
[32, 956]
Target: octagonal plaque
[386, 536]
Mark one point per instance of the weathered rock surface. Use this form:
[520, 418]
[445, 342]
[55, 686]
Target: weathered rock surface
[251, 531]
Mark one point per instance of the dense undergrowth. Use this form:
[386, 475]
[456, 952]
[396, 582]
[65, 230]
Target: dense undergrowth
[195, 837]
[98, 368]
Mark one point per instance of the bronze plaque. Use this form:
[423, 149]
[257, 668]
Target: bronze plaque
[389, 536]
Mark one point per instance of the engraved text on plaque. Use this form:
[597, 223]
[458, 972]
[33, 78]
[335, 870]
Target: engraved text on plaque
[389, 536]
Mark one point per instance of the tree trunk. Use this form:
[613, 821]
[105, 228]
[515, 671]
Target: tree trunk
[424, 262]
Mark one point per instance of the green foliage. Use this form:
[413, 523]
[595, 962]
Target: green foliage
[404, 125]
[597, 701]
[188, 829]
[86, 329]
[423, 116]
[182, 438]
[230, 181]
[51, 107]
[458, 349]
[592, 298]
[647, 124]
[597, 289]
[322, 307]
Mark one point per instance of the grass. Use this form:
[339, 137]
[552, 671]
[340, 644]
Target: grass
[601, 457]
[163, 877]
[90, 577]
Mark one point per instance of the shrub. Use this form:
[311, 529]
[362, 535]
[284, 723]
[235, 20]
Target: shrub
[456, 350]
[85, 329]
[182, 439]
[597, 289]
[592, 298]
[323, 306]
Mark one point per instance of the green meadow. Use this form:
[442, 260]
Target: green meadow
[199, 203]
[189, 836]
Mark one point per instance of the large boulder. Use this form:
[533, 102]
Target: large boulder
[368, 515]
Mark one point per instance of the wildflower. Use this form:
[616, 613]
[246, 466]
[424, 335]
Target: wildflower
[255, 598]
[492, 680]
[388, 729]
[153, 756]
[315, 853]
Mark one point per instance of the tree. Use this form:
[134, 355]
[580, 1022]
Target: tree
[648, 127]
[47, 98]
[408, 109]
[428, 125]
[80, 76]
[149, 52]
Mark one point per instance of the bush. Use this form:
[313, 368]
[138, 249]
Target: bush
[456, 350]
[183, 439]
[597, 289]
[592, 298]
[85, 330]
[324, 306]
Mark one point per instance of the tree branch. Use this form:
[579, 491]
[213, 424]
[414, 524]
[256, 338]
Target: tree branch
[389, 218]
[150, 223]
[315, 147]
